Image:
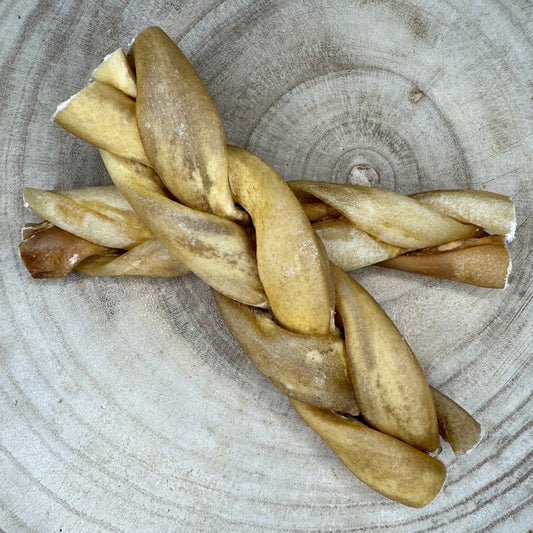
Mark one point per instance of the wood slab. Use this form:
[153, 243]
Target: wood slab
[125, 405]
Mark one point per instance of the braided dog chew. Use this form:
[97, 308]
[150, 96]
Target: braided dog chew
[481, 259]
[215, 247]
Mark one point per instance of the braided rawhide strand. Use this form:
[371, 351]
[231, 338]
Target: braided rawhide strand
[314, 331]
[102, 216]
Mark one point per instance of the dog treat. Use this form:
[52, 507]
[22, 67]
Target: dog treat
[274, 254]
[476, 260]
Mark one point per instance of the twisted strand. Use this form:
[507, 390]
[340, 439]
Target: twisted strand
[481, 261]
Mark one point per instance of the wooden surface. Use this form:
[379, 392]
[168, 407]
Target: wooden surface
[126, 405]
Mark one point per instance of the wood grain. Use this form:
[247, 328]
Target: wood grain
[126, 405]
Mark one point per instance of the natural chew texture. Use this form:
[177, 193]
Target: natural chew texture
[479, 259]
[274, 254]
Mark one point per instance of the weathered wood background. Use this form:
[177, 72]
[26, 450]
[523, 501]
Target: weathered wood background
[125, 404]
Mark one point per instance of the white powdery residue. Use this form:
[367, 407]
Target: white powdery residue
[107, 57]
[509, 268]
[184, 227]
[181, 129]
[512, 230]
[309, 246]
[147, 125]
[288, 272]
[314, 356]
[320, 380]
[73, 260]
[62, 106]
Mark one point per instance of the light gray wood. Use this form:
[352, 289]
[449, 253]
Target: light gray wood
[126, 405]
